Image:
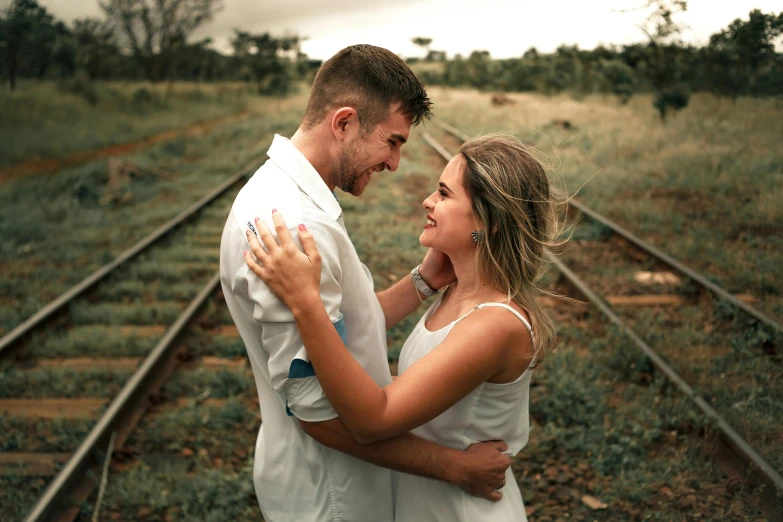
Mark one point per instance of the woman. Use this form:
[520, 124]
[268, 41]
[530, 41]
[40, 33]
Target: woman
[465, 370]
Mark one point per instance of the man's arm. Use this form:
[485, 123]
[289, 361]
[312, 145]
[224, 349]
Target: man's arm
[479, 470]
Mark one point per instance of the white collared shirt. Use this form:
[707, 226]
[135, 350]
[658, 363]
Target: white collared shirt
[297, 478]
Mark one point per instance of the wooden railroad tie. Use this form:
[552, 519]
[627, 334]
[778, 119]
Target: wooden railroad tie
[643, 300]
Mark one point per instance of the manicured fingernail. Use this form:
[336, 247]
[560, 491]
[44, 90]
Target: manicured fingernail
[274, 210]
[257, 220]
[302, 227]
[244, 254]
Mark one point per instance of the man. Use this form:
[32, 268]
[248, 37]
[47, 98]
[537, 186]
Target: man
[308, 466]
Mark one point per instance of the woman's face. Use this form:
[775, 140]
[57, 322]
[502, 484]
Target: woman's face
[450, 218]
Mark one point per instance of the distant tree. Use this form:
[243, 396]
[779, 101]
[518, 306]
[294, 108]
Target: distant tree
[63, 52]
[270, 62]
[619, 77]
[523, 74]
[531, 54]
[28, 34]
[96, 44]
[755, 38]
[435, 56]
[423, 42]
[664, 64]
[481, 71]
[155, 30]
[741, 55]
[559, 70]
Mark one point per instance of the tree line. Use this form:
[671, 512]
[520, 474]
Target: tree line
[739, 60]
[143, 40]
[151, 40]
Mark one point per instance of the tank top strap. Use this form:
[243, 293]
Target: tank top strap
[467, 314]
[510, 309]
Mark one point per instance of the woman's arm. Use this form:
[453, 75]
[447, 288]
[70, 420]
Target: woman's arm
[402, 298]
[470, 355]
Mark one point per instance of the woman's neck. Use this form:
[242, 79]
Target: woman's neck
[469, 287]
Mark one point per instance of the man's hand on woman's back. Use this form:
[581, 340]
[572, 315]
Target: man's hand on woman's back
[485, 469]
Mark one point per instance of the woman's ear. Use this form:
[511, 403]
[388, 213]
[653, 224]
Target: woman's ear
[345, 123]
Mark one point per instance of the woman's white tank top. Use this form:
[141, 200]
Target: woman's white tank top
[490, 412]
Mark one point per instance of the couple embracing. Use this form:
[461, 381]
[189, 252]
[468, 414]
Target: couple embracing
[340, 439]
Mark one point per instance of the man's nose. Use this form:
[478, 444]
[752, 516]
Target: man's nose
[394, 160]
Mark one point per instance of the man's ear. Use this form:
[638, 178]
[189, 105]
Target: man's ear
[345, 123]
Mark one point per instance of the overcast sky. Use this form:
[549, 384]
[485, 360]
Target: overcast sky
[504, 28]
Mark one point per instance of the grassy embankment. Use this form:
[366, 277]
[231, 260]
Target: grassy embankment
[70, 206]
[705, 187]
[46, 120]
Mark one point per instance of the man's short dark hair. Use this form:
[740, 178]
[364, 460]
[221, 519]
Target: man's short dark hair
[370, 79]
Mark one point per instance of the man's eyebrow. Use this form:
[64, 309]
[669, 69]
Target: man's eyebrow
[443, 185]
[398, 137]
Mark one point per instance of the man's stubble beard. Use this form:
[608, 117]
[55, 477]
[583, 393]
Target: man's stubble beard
[347, 168]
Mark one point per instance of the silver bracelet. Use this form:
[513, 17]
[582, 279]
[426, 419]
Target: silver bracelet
[421, 285]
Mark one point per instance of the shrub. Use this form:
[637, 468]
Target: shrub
[81, 85]
[142, 97]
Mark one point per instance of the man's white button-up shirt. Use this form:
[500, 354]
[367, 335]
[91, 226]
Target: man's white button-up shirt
[295, 477]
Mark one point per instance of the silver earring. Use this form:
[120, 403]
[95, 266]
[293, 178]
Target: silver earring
[477, 236]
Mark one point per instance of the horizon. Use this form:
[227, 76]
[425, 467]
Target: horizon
[524, 25]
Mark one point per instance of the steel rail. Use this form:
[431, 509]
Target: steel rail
[134, 390]
[652, 250]
[45, 312]
[754, 461]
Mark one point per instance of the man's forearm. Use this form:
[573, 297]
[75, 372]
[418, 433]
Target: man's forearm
[398, 301]
[406, 453]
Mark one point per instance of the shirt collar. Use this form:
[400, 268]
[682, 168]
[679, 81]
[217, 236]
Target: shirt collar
[293, 163]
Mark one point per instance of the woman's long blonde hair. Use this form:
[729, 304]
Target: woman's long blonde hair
[514, 205]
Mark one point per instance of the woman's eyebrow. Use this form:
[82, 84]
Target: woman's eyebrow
[443, 185]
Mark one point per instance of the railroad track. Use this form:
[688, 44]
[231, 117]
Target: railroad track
[654, 301]
[191, 378]
[87, 365]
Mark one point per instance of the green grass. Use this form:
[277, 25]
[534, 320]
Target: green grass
[705, 187]
[56, 230]
[58, 382]
[125, 314]
[134, 289]
[207, 495]
[41, 121]
[222, 431]
[18, 492]
[81, 342]
[228, 347]
[43, 436]
[220, 384]
[636, 438]
[720, 352]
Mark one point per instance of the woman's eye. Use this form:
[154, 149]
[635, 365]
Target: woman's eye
[442, 193]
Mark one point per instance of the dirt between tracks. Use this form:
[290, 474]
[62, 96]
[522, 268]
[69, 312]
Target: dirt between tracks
[40, 166]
